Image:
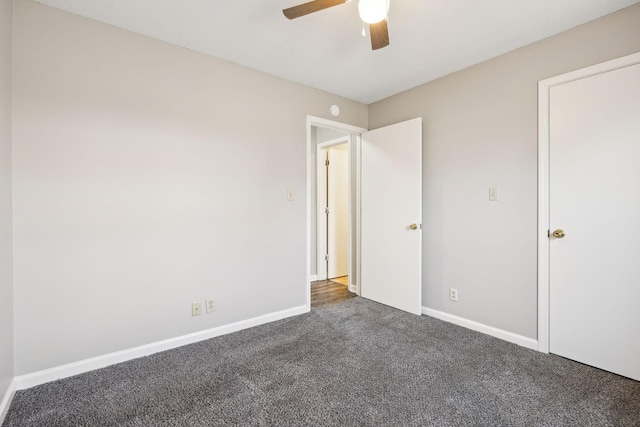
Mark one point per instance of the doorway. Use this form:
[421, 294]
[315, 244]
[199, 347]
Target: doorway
[589, 205]
[385, 178]
[334, 220]
[323, 134]
[333, 209]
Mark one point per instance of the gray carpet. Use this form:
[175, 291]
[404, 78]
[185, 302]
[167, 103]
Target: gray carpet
[348, 364]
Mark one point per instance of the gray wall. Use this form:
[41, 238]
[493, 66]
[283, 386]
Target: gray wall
[6, 281]
[480, 130]
[148, 176]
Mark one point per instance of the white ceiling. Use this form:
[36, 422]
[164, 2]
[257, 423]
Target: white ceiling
[325, 50]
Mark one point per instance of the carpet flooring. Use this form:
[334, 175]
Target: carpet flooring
[348, 364]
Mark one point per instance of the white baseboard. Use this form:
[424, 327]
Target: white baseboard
[313, 278]
[353, 288]
[485, 329]
[75, 368]
[6, 400]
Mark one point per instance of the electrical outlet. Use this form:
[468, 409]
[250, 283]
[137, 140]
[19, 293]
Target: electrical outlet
[196, 309]
[453, 294]
[211, 305]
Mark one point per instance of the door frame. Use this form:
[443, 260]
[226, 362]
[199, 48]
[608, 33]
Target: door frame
[320, 122]
[544, 88]
[321, 223]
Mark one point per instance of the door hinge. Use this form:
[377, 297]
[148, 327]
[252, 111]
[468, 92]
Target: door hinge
[326, 257]
[326, 210]
[326, 162]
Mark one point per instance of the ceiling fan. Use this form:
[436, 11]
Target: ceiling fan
[372, 12]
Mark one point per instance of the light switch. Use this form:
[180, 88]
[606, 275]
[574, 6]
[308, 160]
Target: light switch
[493, 194]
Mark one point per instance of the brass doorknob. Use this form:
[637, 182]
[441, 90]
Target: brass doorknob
[559, 233]
[413, 226]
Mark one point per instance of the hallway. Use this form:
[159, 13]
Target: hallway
[325, 292]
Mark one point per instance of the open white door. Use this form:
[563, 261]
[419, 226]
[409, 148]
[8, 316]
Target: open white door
[391, 213]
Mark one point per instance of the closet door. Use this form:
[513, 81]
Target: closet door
[594, 214]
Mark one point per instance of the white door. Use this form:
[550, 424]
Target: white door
[338, 211]
[391, 212]
[594, 198]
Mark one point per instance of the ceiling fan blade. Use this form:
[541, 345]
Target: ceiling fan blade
[312, 6]
[379, 34]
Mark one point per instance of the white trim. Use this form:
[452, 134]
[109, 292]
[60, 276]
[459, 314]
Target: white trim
[543, 217]
[75, 368]
[313, 277]
[321, 223]
[485, 329]
[544, 88]
[329, 124]
[357, 286]
[350, 214]
[353, 288]
[6, 400]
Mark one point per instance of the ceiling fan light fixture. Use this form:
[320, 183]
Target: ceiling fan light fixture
[373, 11]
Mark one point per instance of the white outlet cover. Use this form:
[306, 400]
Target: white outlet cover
[211, 305]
